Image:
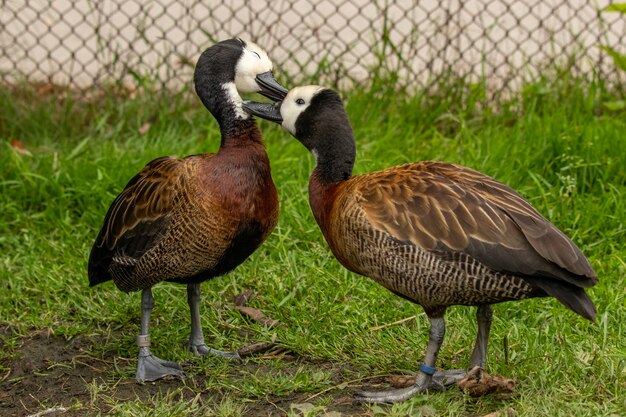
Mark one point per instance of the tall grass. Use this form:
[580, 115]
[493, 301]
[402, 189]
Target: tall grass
[557, 143]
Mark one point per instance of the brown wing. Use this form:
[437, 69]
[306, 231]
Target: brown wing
[449, 208]
[138, 216]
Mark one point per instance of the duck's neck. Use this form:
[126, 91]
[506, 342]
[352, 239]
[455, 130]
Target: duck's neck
[333, 169]
[334, 166]
[240, 133]
[335, 156]
[224, 102]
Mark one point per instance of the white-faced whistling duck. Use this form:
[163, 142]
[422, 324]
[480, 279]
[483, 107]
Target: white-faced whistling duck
[191, 219]
[434, 233]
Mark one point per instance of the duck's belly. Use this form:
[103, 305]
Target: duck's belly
[430, 279]
[247, 239]
[197, 250]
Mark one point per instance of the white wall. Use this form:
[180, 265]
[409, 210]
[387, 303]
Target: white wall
[57, 39]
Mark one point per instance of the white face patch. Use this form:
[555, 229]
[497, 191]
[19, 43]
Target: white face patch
[235, 99]
[253, 61]
[297, 100]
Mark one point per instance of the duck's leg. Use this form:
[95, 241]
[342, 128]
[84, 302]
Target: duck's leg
[484, 315]
[149, 367]
[483, 318]
[427, 378]
[196, 339]
[424, 380]
[479, 354]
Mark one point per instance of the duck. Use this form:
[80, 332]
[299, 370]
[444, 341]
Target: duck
[437, 234]
[187, 220]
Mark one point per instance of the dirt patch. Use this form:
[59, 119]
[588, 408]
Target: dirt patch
[52, 372]
[48, 372]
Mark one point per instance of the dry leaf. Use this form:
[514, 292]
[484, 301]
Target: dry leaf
[401, 381]
[19, 147]
[45, 89]
[143, 129]
[254, 348]
[478, 383]
[258, 316]
[18, 144]
[244, 298]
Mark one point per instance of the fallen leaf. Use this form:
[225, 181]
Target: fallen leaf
[401, 381]
[143, 129]
[244, 298]
[250, 350]
[258, 316]
[19, 147]
[478, 383]
[45, 89]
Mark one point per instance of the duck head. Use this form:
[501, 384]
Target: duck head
[230, 68]
[317, 118]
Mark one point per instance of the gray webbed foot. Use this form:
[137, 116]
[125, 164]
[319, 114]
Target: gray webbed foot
[438, 382]
[202, 350]
[389, 396]
[422, 383]
[151, 368]
[449, 377]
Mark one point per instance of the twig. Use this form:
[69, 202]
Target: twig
[275, 356]
[49, 411]
[6, 376]
[93, 368]
[108, 362]
[343, 385]
[391, 324]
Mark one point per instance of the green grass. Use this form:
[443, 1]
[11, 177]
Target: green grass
[557, 143]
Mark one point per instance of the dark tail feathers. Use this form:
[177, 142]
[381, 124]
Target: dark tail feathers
[98, 272]
[120, 267]
[571, 296]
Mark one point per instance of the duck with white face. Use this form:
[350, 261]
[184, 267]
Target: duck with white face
[435, 233]
[234, 66]
[187, 220]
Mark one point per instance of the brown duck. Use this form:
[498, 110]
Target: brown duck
[191, 219]
[434, 233]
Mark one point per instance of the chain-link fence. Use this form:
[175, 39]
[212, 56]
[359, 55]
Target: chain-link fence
[88, 42]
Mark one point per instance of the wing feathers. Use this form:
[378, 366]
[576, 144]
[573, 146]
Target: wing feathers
[137, 218]
[147, 197]
[448, 207]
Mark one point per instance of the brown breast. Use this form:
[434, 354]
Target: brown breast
[188, 219]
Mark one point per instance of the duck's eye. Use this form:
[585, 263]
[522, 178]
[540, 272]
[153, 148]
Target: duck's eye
[300, 101]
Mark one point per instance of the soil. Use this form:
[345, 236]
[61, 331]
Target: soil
[51, 372]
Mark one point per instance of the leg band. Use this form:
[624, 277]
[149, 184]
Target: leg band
[427, 369]
[143, 340]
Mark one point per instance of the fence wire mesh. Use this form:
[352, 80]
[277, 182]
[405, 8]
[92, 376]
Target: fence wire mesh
[86, 43]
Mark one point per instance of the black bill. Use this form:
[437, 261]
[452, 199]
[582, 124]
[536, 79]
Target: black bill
[270, 88]
[268, 111]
